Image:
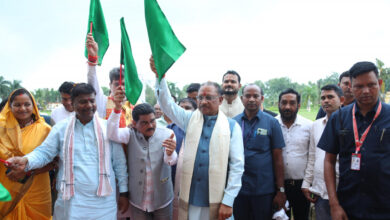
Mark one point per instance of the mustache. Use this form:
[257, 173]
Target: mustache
[150, 129]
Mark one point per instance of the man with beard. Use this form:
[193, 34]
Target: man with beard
[360, 135]
[345, 85]
[263, 143]
[231, 104]
[66, 109]
[89, 164]
[213, 158]
[296, 134]
[313, 186]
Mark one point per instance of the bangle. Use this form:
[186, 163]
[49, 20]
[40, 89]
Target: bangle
[93, 59]
[92, 63]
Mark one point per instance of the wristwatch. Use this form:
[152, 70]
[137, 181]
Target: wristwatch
[281, 189]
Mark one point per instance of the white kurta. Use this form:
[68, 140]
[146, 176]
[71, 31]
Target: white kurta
[59, 114]
[231, 110]
[85, 204]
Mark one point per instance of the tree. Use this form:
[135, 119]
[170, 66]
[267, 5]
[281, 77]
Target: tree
[15, 84]
[330, 79]
[384, 74]
[43, 96]
[149, 95]
[176, 91]
[308, 92]
[106, 90]
[274, 87]
[4, 87]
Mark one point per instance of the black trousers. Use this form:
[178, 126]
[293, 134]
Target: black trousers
[298, 203]
[253, 207]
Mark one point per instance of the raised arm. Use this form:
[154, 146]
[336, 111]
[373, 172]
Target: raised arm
[101, 99]
[114, 133]
[177, 114]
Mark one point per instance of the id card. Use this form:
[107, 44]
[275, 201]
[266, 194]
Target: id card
[355, 161]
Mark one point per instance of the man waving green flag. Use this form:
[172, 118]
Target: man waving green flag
[97, 25]
[166, 48]
[133, 86]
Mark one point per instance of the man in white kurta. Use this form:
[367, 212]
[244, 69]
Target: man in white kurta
[85, 203]
[66, 109]
[231, 104]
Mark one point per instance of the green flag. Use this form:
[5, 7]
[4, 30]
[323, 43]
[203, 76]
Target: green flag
[99, 29]
[166, 48]
[4, 194]
[133, 85]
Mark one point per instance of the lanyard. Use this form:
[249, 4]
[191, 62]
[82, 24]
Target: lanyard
[248, 136]
[358, 142]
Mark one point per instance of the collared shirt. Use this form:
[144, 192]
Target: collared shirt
[160, 122]
[182, 117]
[122, 135]
[314, 174]
[297, 139]
[365, 193]
[261, 135]
[231, 110]
[59, 114]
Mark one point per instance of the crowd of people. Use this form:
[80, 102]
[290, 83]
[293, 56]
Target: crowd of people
[212, 155]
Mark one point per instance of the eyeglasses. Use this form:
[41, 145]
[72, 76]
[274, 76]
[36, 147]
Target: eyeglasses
[207, 98]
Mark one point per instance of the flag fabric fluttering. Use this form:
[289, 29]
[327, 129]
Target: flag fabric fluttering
[165, 46]
[4, 194]
[97, 25]
[133, 86]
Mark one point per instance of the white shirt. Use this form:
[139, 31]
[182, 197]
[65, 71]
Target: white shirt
[231, 110]
[295, 154]
[314, 175]
[59, 114]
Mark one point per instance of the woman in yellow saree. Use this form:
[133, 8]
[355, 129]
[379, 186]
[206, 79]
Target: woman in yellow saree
[21, 131]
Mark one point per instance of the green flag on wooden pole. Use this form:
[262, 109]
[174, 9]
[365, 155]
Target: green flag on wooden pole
[166, 48]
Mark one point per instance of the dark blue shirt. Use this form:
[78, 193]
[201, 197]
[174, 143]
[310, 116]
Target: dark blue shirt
[179, 133]
[260, 135]
[363, 194]
[321, 113]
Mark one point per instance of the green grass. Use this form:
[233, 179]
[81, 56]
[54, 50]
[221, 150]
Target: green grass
[302, 112]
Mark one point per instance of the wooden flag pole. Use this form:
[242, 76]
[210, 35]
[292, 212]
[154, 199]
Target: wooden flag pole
[90, 29]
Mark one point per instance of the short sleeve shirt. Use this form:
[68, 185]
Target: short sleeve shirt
[261, 135]
[365, 193]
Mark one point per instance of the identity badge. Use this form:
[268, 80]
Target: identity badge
[355, 161]
[261, 131]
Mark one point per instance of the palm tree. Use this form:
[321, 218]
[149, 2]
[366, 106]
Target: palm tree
[4, 87]
[15, 84]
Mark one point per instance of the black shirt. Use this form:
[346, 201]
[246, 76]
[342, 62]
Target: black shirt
[365, 193]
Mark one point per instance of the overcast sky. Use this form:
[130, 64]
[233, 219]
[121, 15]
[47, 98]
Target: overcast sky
[42, 41]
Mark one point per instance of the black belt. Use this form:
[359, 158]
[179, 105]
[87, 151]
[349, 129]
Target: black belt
[293, 182]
